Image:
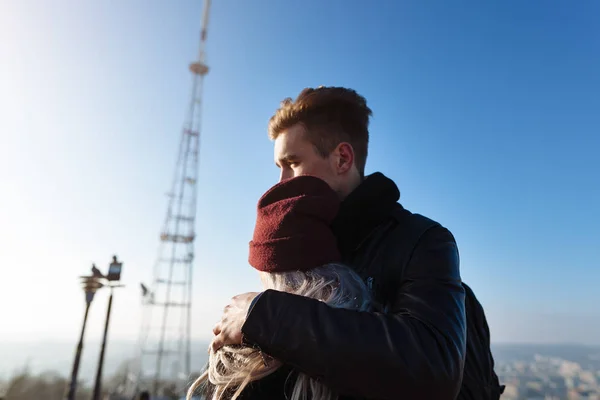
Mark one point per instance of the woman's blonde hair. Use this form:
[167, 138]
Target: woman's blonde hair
[232, 368]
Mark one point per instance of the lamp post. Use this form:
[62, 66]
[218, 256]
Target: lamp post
[90, 285]
[147, 298]
[113, 276]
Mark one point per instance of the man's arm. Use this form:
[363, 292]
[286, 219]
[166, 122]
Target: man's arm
[416, 351]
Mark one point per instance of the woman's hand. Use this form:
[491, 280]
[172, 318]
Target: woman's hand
[229, 330]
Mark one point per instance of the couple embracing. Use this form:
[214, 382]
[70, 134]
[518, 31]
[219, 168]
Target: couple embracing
[362, 299]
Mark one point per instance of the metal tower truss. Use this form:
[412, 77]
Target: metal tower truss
[165, 335]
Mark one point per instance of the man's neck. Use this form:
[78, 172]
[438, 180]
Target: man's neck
[350, 187]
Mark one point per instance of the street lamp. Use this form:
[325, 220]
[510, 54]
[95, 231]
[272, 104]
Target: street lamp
[90, 285]
[114, 270]
[147, 295]
[147, 298]
[113, 276]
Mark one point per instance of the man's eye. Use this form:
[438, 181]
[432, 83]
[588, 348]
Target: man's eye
[294, 164]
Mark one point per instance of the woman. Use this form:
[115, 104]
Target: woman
[295, 251]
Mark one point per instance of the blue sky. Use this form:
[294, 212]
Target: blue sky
[485, 114]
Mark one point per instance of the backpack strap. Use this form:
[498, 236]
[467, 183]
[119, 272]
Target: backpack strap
[402, 242]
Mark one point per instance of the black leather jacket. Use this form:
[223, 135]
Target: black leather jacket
[415, 351]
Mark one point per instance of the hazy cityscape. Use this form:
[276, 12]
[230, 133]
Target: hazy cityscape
[548, 372]
[530, 372]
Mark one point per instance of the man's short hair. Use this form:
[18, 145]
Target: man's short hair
[331, 115]
[144, 395]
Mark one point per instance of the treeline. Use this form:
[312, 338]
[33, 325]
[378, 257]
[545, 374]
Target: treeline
[50, 385]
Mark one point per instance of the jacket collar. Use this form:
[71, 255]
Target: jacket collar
[370, 204]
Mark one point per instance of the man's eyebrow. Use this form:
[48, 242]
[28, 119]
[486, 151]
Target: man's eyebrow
[286, 159]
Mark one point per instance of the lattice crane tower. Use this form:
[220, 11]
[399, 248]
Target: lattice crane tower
[165, 336]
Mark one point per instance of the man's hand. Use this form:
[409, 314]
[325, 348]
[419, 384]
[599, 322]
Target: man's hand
[229, 330]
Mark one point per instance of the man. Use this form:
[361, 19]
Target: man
[413, 350]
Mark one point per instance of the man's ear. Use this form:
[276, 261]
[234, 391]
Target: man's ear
[344, 157]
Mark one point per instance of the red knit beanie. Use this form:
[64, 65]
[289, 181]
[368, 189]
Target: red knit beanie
[292, 230]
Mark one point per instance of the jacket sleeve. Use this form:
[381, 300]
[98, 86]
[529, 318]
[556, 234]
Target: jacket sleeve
[415, 351]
